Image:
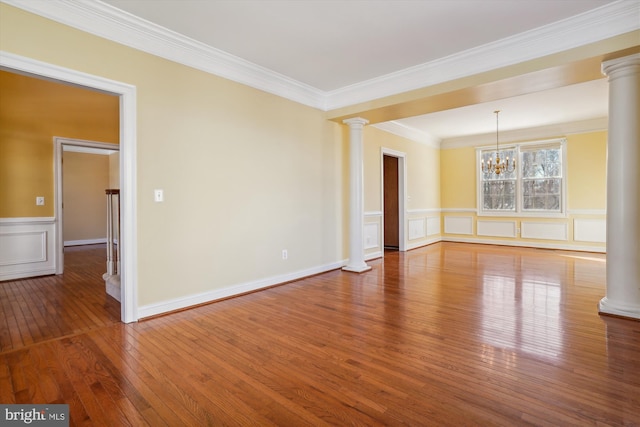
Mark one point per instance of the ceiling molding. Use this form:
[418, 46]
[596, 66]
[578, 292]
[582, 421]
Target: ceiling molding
[409, 133]
[104, 20]
[598, 24]
[541, 132]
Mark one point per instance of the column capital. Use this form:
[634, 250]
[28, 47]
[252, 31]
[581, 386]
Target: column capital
[355, 122]
[630, 64]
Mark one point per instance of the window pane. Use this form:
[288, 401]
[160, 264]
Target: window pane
[499, 195]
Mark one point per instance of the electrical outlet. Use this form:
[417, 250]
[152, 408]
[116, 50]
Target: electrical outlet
[285, 254]
[40, 201]
[158, 195]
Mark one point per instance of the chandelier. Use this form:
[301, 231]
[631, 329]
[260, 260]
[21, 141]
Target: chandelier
[498, 166]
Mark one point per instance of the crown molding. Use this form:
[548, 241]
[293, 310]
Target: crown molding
[409, 133]
[599, 24]
[104, 20]
[560, 129]
[111, 23]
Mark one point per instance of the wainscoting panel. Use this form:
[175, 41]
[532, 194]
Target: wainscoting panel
[416, 228]
[497, 228]
[371, 235]
[544, 230]
[433, 225]
[590, 230]
[27, 248]
[458, 224]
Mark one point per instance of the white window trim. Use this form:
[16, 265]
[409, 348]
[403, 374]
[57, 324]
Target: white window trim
[519, 213]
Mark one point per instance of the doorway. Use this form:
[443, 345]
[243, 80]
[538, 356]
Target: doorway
[393, 199]
[74, 145]
[127, 94]
[391, 213]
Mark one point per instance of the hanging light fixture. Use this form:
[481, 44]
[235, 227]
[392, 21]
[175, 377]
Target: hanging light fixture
[498, 166]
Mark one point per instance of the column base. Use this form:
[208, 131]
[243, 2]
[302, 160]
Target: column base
[356, 269]
[607, 307]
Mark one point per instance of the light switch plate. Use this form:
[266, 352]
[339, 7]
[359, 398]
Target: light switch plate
[40, 201]
[158, 195]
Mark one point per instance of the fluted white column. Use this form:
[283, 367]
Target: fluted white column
[356, 197]
[623, 188]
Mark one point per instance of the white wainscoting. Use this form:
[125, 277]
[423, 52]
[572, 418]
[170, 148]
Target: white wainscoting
[27, 247]
[433, 225]
[417, 228]
[458, 225]
[543, 230]
[371, 235]
[590, 230]
[496, 228]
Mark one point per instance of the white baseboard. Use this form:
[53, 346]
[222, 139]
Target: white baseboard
[527, 244]
[424, 243]
[85, 242]
[206, 297]
[373, 255]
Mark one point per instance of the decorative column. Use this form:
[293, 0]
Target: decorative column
[356, 197]
[623, 188]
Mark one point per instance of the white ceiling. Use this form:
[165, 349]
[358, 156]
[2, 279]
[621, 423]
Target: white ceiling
[330, 45]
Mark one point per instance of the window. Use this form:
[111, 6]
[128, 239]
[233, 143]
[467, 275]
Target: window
[535, 188]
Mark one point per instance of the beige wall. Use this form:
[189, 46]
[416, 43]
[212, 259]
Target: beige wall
[245, 173]
[32, 112]
[85, 177]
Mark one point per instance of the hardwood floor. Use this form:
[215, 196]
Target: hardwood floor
[44, 308]
[450, 334]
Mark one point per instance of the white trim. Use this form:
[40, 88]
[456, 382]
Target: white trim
[373, 255]
[373, 213]
[211, 296]
[402, 194]
[590, 230]
[527, 244]
[417, 228]
[415, 245]
[618, 17]
[60, 145]
[104, 20]
[89, 150]
[129, 306]
[28, 220]
[84, 242]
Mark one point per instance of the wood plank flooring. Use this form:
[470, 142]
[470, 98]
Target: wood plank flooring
[50, 307]
[446, 335]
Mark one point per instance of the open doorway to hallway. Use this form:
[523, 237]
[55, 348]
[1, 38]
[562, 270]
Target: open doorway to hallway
[34, 111]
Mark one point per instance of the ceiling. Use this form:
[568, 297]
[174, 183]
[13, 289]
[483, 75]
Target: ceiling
[330, 45]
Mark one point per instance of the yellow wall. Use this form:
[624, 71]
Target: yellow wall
[587, 171]
[85, 178]
[245, 173]
[458, 178]
[32, 112]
